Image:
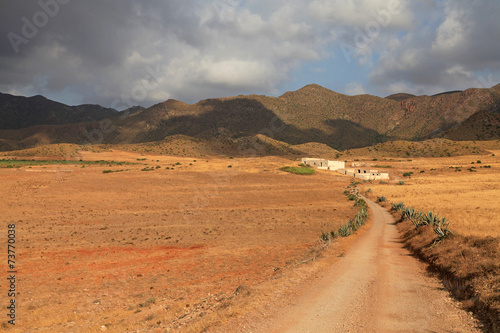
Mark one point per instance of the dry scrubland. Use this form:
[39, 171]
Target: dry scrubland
[449, 187]
[188, 242]
[465, 190]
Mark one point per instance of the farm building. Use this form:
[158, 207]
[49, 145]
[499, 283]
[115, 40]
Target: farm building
[364, 174]
[324, 164]
[339, 166]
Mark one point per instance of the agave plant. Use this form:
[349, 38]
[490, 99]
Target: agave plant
[417, 218]
[408, 213]
[363, 213]
[396, 207]
[345, 230]
[352, 225]
[442, 230]
[430, 218]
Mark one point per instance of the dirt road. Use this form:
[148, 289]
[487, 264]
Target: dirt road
[376, 287]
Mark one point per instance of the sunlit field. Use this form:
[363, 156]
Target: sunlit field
[464, 189]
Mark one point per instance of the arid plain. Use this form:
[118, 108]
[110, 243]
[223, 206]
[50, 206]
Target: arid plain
[169, 243]
[144, 249]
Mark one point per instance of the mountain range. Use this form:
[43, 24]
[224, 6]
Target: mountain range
[310, 114]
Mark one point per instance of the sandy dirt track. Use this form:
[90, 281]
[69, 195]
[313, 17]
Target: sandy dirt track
[376, 287]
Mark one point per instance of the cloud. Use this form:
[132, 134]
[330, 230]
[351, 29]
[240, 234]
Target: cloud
[103, 49]
[449, 57]
[355, 88]
[129, 52]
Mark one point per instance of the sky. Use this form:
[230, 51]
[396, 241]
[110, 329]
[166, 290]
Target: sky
[121, 53]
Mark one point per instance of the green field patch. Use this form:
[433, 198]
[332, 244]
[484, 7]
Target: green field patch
[17, 163]
[299, 170]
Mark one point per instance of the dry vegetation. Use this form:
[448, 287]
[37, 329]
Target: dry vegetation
[186, 245]
[458, 188]
[427, 148]
[465, 191]
[199, 240]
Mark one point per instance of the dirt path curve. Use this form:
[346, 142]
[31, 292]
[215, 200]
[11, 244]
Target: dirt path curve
[376, 287]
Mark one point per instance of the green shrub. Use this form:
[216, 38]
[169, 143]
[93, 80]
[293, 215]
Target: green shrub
[351, 225]
[352, 197]
[430, 218]
[360, 203]
[381, 199]
[442, 230]
[396, 207]
[324, 236]
[111, 171]
[345, 231]
[401, 182]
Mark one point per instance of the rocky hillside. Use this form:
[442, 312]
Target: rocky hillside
[310, 114]
[18, 112]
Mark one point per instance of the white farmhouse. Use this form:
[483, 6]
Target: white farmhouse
[364, 174]
[324, 164]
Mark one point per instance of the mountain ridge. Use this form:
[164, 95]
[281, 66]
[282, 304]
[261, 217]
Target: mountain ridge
[310, 114]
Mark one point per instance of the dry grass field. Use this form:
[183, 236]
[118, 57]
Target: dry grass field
[459, 188]
[465, 190]
[175, 243]
[167, 243]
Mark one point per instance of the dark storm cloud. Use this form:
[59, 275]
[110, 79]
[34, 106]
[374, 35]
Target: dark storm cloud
[119, 53]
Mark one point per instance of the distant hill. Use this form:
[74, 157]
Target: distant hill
[18, 112]
[482, 125]
[310, 114]
[400, 97]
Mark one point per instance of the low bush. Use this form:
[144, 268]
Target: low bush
[352, 225]
[418, 218]
[112, 171]
[396, 207]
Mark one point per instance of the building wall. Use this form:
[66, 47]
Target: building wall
[316, 162]
[335, 165]
[339, 166]
[363, 174]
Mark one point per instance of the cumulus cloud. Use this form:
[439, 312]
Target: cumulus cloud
[119, 53]
[355, 88]
[453, 55]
